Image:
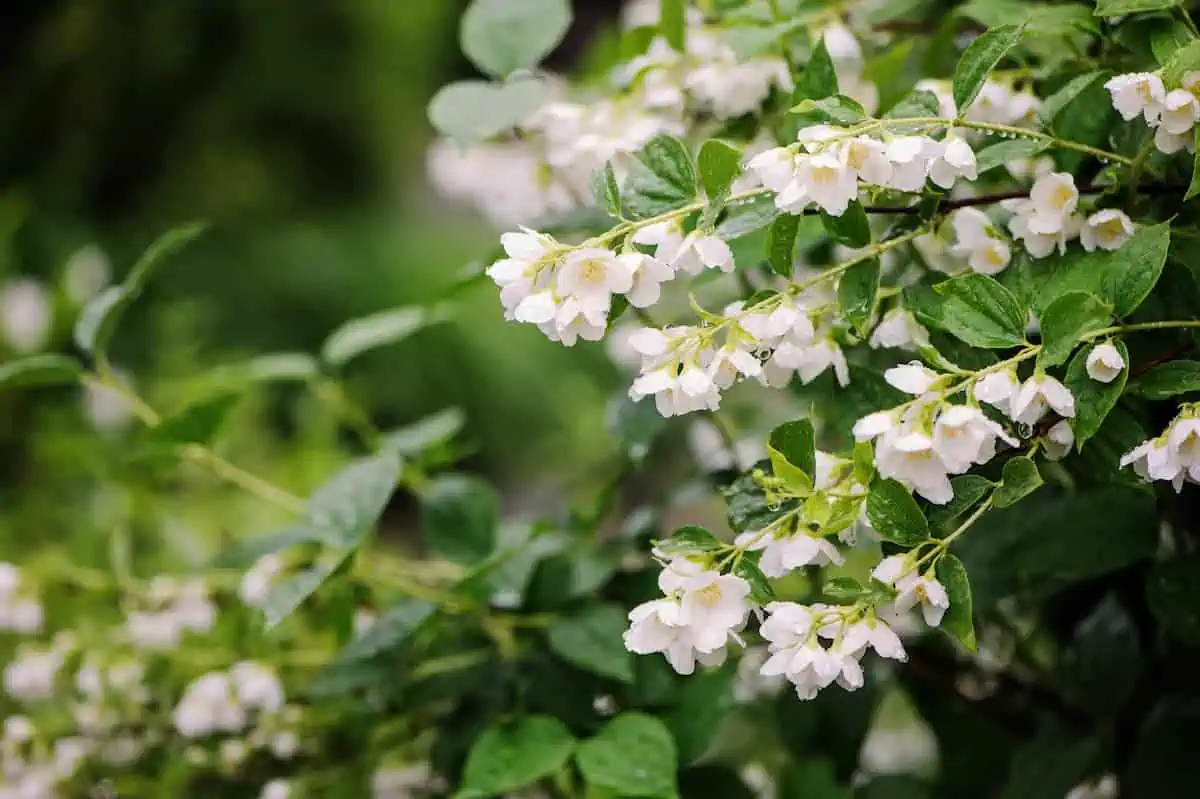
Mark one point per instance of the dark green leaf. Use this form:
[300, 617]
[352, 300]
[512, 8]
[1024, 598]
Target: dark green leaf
[1020, 479]
[1135, 267]
[795, 442]
[920, 103]
[371, 332]
[164, 247]
[1066, 320]
[958, 620]
[290, 593]
[1119, 8]
[1093, 399]
[851, 228]
[419, 437]
[747, 216]
[857, 289]
[760, 587]
[40, 370]
[895, 514]
[634, 425]
[503, 36]
[835, 110]
[819, 78]
[812, 779]
[690, 538]
[981, 312]
[968, 489]
[978, 61]
[1002, 152]
[1173, 593]
[507, 757]
[198, 423]
[1169, 379]
[1104, 659]
[1064, 99]
[346, 507]
[1049, 766]
[605, 190]
[389, 631]
[470, 111]
[592, 641]
[1194, 186]
[459, 517]
[660, 179]
[781, 244]
[719, 164]
[633, 756]
[705, 701]
[746, 505]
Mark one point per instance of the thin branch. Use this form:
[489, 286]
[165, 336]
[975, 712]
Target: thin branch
[1153, 190]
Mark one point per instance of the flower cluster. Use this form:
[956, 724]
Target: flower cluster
[20, 610]
[1174, 456]
[227, 701]
[177, 606]
[1171, 113]
[920, 444]
[700, 611]
[685, 368]
[1048, 219]
[825, 167]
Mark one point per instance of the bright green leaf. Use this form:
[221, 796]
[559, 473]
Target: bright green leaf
[503, 36]
[981, 312]
[1119, 8]
[1169, 379]
[507, 757]
[719, 164]
[275, 368]
[244, 553]
[895, 514]
[819, 78]
[835, 110]
[781, 244]
[459, 518]
[633, 756]
[792, 449]
[1019, 479]
[198, 423]
[673, 23]
[1066, 320]
[371, 332]
[690, 538]
[40, 370]
[591, 640]
[958, 619]
[857, 289]
[660, 179]
[979, 59]
[1095, 400]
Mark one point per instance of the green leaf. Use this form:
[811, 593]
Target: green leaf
[275, 368]
[503, 36]
[633, 425]
[1063, 99]
[40, 370]
[661, 179]
[705, 701]
[793, 454]
[371, 332]
[198, 423]
[1123, 277]
[819, 78]
[981, 312]
[1104, 660]
[1169, 379]
[920, 103]
[781, 244]
[1085, 115]
[507, 757]
[1194, 186]
[690, 539]
[1173, 593]
[978, 61]
[163, 248]
[390, 630]
[958, 619]
[852, 228]
[459, 517]
[746, 505]
[346, 507]
[719, 165]
[470, 111]
[1182, 61]
[746, 217]
[1095, 400]
[895, 514]
[1066, 320]
[673, 23]
[633, 756]
[968, 489]
[1119, 8]
[857, 289]
[243, 554]
[591, 640]
[1020, 478]
[813, 778]
[98, 320]
[419, 437]
[1051, 765]
[1002, 152]
[835, 110]
[761, 592]
[289, 594]
[605, 189]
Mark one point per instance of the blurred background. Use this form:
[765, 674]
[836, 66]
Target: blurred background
[299, 134]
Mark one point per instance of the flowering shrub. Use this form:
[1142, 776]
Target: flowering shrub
[925, 289]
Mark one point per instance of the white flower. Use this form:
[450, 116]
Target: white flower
[1059, 440]
[690, 253]
[656, 627]
[999, 389]
[910, 156]
[874, 425]
[964, 437]
[732, 89]
[592, 275]
[797, 654]
[1180, 111]
[776, 168]
[1105, 787]
[783, 555]
[843, 48]
[1155, 460]
[898, 329]
[87, 272]
[1170, 143]
[276, 789]
[972, 229]
[1039, 245]
[731, 361]
[1053, 200]
[257, 687]
[954, 159]
[876, 634]
[911, 378]
[1107, 229]
[812, 360]
[209, 704]
[713, 605]
[911, 459]
[256, 582]
[1183, 439]
[26, 315]
[31, 675]
[824, 179]
[1137, 93]
[648, 276]
[1039, 393]
[868, 158]
[576, 320]
[1104, 363]
[537, 308]
[914, 588]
